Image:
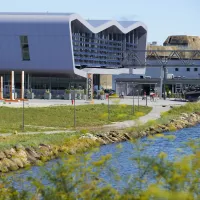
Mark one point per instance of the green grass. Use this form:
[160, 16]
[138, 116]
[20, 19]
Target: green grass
[169, 115]
[7, 142]
[61, 117]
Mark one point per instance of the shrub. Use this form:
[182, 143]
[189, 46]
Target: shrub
[102, 92]
[139, 114]
[172, 128]
[67, 91]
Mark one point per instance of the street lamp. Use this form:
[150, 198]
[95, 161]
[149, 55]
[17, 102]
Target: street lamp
[138, 100]
[133, 110]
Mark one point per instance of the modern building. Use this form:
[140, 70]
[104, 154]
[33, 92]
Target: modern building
[184, 75]
[57, 51]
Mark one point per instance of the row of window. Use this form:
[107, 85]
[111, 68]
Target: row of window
[24, 47]
[187, 69]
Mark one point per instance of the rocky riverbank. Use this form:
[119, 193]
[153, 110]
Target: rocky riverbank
[21, 157]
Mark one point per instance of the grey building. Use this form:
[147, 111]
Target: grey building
[56, 51]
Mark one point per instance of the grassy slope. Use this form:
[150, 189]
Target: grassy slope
[63, 116]
[60, 139]
[169, 115]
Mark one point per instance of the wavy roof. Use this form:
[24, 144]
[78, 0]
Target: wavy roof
[94, 25]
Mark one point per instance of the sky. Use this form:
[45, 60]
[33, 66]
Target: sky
[162, 17]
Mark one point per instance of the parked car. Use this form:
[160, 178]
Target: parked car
[109, 91]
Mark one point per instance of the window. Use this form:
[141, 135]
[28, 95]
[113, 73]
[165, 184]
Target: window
[188, 69]
[24, 47]
[195, 69]
[176, 69]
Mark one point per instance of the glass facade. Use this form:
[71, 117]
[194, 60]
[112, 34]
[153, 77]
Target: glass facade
[103, 50]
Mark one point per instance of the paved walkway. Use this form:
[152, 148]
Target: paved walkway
[153, 115]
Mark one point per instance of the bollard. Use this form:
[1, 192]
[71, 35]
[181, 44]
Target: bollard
[72, 102]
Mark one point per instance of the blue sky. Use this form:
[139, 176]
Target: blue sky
[163, 17]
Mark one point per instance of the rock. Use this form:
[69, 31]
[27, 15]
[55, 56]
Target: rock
[2, 155]
[88, 136]
[9, 164]
[31, 159]
[151, 128]
[23, 156]
[101, 141]
[18, 162]
[114, 139]
[19, 146]
[45, 151]
[55, 150]
[126, 135]
[3, 168]
[178, 126]
[185, 115]
[162, 126]
[32, 152]
[10, 153]
[44, 145]
[105, 137]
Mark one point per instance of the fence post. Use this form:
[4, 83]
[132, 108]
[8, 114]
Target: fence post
[108, 107]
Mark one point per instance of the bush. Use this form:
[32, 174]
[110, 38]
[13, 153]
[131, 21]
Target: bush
[67, 91]
[102, 92]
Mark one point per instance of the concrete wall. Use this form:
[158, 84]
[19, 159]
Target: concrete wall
[106, 81]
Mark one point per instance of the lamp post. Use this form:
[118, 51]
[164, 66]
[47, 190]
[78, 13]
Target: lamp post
[138, 100]
[133, 110]
[108, 107]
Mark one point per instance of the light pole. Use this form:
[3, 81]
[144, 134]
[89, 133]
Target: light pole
[133, 110]
[108, 107]
[138, 100]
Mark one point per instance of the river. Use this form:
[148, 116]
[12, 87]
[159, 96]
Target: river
[121, 158]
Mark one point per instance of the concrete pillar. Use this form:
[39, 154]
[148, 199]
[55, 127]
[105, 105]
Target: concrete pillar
[90, 86]
[129, 37]
[1, 87]
[12, 86]
[22, 85]
[173, 90]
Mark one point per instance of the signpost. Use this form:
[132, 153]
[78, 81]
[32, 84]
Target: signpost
[1, 87]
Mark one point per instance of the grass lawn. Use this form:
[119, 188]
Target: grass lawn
[167, 116]
[61, 117]
[7, 142]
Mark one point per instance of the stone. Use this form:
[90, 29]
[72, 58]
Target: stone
[31, 159]
[23, 157]
[18, 162]
[88, 136]
[178, 126]
[185, 115]
[3, 168]
[101, 141]
[126, 135]
[2, 155]
[9, 153]
[105, 137]
[19, 146]
[32, 152]
[44, 145]
[9, 164]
